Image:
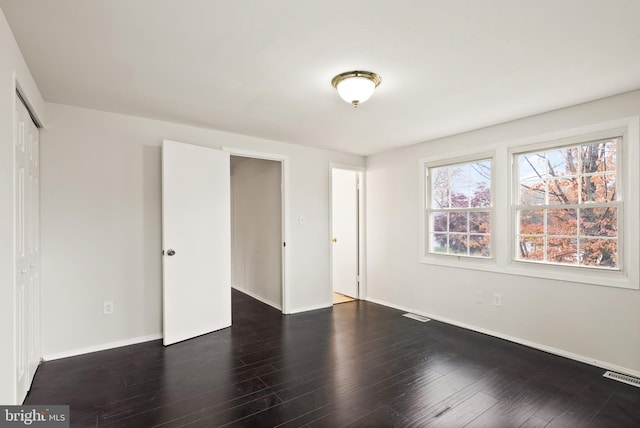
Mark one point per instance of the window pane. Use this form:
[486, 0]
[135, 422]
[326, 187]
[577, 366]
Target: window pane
[439, 177]
[563, 191]
[562, 250]
[562, 222]
[599, 222]
[480, 222]
[532, 166]
[480, 196]
[440, 222]
[460, 197]
[531, 222]
[480, 245]
[530, 248]
[599, 252]
[599, 188]
[562, 162]
[599, 156]
[457, 244]
[459, 176]
[458, 222]
[480, 174]
[609, 161]
[532, 192]
[439, 243]
[440, 198]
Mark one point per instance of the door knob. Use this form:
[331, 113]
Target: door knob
[170, 252]
[334, 240]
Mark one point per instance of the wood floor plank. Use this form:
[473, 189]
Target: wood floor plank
[512, 411]
[356, 364]
[423, 403]
[583, 407]
[463, 413]
[618, 411]
[534, 422]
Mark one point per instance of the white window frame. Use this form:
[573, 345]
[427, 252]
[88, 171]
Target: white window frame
[425, 165]
[626, 274]
[618, 202]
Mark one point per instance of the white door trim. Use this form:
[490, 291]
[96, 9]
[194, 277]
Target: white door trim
[362, 286]
[284, 160]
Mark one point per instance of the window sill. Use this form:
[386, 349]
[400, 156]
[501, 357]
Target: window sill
[616, 279]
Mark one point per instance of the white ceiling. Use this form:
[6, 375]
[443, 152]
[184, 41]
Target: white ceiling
[263, 68]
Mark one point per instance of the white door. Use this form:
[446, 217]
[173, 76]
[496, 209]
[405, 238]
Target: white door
[27, 250]
[344, 226]
[196, 241]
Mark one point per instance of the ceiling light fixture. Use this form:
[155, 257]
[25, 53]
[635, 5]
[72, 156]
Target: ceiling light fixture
[356, 87]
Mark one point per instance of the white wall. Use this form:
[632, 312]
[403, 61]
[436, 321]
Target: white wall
[256, 228]
[12, 69]
[100, 192]
[587, 321]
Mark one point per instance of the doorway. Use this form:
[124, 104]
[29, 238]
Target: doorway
[347, 219]
[268, 223]
[256, 229]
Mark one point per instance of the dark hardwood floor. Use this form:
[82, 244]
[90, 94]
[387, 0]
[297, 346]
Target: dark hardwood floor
[358, 364]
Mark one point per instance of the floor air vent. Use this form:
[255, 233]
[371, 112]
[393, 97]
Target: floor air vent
[416, 317]
[623, 378]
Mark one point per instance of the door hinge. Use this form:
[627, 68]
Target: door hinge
[284, 244]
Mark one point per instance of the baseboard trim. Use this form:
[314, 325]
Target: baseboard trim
[545, 348]
[311, 308]
[102, 347]
[261, 299]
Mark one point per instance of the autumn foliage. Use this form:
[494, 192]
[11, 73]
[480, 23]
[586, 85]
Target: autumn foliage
[567, 211]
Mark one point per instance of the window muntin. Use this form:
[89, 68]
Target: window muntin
[460, 206]
[568, 206]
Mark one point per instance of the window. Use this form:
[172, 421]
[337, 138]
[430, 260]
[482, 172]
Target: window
[459, 208]
[560, 206]
[568, 207]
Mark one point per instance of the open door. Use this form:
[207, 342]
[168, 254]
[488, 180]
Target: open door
[344, 227]
[196, 241]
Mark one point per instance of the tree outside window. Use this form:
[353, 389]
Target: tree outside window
[568, 205]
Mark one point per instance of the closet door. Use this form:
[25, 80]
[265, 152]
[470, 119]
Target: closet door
[27, 250]
[33, 251]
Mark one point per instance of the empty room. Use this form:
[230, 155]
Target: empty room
[320, 214]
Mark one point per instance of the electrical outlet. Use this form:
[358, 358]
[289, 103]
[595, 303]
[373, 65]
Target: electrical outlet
[497, 299]
[108, 307]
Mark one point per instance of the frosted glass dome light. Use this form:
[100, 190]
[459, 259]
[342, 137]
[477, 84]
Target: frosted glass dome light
[356, 87]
